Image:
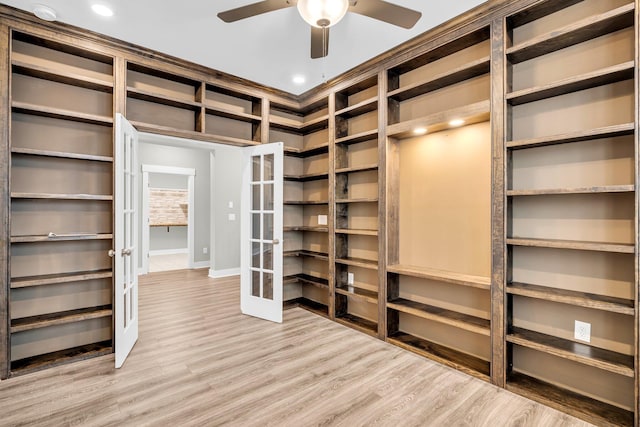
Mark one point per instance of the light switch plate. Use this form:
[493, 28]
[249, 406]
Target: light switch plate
[582, 331]
[230, 204]
[350, 278]
[322, 220]
[232, 217]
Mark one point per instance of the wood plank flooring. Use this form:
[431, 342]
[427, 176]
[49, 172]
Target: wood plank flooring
[200, 362]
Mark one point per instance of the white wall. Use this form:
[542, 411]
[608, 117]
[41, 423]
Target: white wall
[212, 229]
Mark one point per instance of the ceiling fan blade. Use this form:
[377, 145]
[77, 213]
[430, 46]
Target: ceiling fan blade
[233, 15]
[319, 42]
[387, 12]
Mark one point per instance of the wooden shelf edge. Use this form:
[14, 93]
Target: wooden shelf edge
[581, 299]
[452, 358]
[442, 315]
[52, 279]
[62, 155]
[575, 404]
[358, 137]
[574, 33]
[191, 134]
[362, 200]
[309, 305]
[577, 352]
[54, 319]
[305, 202]
[579, 136]
[358, 293]
[306, 228]
[59, 113]
[358, 323]
[60, 238]
[474, 113]
[356, 232]
[441, 276]
[62, 357]
[73, 79]
[355, 169]
[363, 107]
[358, 262]
[577, 190]
[590, 80]
[52, 196]
[467, 71]
[159, 98]
[572, 244]
[305, 253]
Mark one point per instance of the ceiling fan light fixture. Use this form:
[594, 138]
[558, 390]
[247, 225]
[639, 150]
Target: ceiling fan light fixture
[322, 13]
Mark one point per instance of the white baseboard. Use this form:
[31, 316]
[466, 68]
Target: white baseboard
[169, 251]
[216, 274]
[201, 264]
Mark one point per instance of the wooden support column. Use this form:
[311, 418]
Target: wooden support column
[498, 259]
[636, 293]
[331, 110]
[382, 205]
[5, 196]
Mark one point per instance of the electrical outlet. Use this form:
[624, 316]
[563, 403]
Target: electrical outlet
[350, 278]
[230, 204]
[322, 220]
[205, 250]
[582, 331]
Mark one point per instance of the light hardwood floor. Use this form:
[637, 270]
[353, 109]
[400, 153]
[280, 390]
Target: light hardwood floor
[200, 362]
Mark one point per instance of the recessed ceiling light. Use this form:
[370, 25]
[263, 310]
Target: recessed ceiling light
[420, 131]
[299, 79]
[456, 122]
[44, 12]
[102, 10]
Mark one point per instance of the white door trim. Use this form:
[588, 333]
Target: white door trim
[171, 170]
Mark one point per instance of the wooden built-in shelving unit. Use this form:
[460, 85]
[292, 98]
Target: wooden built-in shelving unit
[465, 196]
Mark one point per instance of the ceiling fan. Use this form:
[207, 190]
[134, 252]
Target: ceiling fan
[322, 14]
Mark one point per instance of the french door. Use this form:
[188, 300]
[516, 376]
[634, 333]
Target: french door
[261, 232]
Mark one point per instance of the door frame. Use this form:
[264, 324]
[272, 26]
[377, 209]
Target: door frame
[190, 173]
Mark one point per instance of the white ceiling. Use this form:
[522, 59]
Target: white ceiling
[268, 49]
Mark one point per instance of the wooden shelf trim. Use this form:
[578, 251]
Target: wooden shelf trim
[363, 107]
[59, 113]
[581, 299]
[467, 71]
[579, 136]
[60, 238]
[190, 134]
[54, 75]
[305, 253]
[359, 168]
[575, 404]
[302, 127]
[572, 34]
[578, 190]
[309, 305]
[52, 196]
[160, 98]
[358, 262]
[358, 137]
[48, 153]
[306, 202]
[57, 358]
[359, 323]
[46, 320]
[597, 78]
[607, 360]
[307, 152]
[356, 232]
[473, 113]
[359, 200]
[307, 279]
[441, 276]
[52, 279]
[305, 228]
[442, 315]
[233, 115]
[467, 363]
[308, 177]
[358, 293]
[625, 248]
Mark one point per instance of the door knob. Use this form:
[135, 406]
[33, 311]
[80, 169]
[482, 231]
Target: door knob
[111, 253]
[276, 241]
[126, 251]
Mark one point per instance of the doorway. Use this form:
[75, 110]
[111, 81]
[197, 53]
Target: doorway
[167, 212]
